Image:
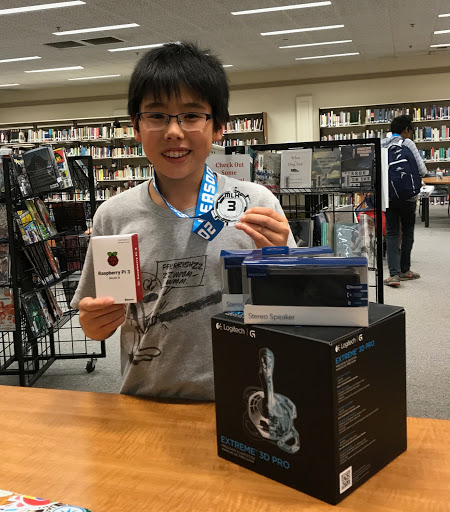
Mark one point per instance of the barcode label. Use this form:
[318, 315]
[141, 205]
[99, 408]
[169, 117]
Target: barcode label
[345, 480]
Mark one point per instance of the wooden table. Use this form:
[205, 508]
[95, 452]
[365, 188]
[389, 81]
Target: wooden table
[114, 453]
[426, 200]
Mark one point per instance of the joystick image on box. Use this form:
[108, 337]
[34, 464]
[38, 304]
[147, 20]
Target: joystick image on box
[270, 415]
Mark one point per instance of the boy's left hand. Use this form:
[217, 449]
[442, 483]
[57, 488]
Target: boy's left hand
[265, 226]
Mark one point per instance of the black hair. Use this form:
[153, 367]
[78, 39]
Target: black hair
[163, 70]
[400, 123]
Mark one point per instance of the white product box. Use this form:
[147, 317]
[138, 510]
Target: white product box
[117, 267]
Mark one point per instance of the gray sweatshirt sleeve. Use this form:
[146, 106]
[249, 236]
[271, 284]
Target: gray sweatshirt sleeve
[420, 163]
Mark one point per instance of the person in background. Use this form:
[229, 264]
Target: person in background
[178, 103]
[401, 213]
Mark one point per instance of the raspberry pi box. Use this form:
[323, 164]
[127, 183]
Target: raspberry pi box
[320, 409]
[117, 267]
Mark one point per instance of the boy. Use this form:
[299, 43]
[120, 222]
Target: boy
[178, 103]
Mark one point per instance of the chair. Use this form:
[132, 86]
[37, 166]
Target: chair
[441, 191]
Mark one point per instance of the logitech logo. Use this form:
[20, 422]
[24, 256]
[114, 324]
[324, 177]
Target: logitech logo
[218, 326]
[252, 333]
[349, 343]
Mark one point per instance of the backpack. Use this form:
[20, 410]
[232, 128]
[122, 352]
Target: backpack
[403, 174]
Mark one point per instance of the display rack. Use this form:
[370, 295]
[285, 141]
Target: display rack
[308, 202]
[23, 351]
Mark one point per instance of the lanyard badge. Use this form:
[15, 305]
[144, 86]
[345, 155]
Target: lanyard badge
[212, 213]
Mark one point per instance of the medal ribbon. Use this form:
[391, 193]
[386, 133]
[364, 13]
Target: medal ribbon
[205, 225]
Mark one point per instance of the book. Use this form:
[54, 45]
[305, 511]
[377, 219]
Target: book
[326, 168]
[55, 309]
[7, 316]
[357, 165]
[28, 229]
[3, 221]
[31, 207]
[267, 168]
[63, 167]
[40, 270]
[45, 216]
[4, 264]
[296, 168]
[20, 175]
[34, 314]
[42, 170]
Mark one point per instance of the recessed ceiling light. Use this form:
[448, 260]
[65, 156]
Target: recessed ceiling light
[439, 45]
[54, 69]
[20, 58]
[441, 31]
[295, 30]
[92, 77]
[227, 65]
[327, 56]
[316, 44]
[141, 47]
[41, 7]
[444, 15]
[95, 29]
[282, 8]
[8, 85]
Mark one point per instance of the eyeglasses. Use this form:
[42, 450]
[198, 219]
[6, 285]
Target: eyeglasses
[189, 121]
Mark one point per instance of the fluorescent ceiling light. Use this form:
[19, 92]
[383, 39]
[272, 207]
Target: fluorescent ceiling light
[282, 8]
[439, 45]
[54, 69]
[441, 31]
[92, 77]
[95, 29]
[20, 58]
[316, 44]
[227, 65]
[444, 15]
[141, 47]
[15, 10]
[8, 85]
[327, 56]
[295, 30]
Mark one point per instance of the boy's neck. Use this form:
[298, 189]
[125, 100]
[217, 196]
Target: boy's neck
[182, 194]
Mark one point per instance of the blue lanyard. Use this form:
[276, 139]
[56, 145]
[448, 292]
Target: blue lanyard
[205, 225]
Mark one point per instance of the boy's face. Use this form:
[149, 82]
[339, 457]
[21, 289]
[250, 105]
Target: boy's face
[174, 152]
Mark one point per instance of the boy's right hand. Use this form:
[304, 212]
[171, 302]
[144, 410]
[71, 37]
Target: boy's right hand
[99, 318]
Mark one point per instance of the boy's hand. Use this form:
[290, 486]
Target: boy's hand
[99, 318]
[265, 226]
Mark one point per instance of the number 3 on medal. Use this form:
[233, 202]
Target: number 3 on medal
[207, 230]
[231, 205]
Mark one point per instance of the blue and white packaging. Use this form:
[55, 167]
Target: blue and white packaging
[290, 290]
[232, 299]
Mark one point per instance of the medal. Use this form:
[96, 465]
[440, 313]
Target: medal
[211, 213]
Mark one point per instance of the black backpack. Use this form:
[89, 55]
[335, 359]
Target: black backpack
[404, 176]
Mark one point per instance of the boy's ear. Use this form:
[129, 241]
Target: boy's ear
[136, 132]
[217, 135]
